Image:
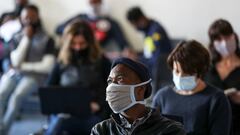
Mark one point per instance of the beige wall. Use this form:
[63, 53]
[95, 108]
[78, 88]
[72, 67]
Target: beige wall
[181, 18]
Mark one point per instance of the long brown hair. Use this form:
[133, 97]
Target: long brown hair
[74, 29]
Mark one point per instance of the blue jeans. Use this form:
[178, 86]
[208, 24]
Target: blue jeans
[5, 65]
[13, 89]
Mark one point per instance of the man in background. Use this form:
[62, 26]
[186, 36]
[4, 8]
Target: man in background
[107, 31]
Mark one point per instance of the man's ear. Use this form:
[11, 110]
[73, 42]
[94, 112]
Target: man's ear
[140, 93]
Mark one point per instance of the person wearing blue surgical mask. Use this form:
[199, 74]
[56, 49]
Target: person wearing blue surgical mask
[202, 108]
[225, 70]
[128, 86]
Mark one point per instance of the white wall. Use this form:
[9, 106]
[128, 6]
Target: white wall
[181, 18]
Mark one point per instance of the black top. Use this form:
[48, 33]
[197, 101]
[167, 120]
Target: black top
[89, 75]
[231, 81]
[205, 113]
[92, 75]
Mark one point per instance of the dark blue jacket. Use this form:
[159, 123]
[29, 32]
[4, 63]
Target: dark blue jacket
[115, 32]
[156, 34]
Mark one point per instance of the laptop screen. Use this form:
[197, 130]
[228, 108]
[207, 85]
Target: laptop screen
[70, 100]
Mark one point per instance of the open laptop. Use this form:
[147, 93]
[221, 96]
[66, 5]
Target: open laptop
[69, 100]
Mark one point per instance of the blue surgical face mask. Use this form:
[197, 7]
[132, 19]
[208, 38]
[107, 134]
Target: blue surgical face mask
[186, 83]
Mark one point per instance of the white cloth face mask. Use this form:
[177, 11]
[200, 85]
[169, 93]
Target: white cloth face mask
[122, 97]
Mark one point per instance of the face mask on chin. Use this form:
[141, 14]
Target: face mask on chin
[122, 97]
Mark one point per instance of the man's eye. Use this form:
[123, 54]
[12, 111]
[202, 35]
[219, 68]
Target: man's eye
[109, 81]
[120, 78]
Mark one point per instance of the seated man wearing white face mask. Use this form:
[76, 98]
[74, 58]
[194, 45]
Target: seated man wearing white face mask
[128, 86]
[204, 109]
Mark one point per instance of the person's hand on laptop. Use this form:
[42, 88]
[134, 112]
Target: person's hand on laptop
[95, 107]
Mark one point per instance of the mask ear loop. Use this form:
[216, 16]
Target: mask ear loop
[132, 94]
[176, 77]
[143, 83]
[132, 88]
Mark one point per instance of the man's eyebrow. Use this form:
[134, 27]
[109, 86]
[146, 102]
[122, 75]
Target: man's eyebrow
[120, 74]
[117, 75]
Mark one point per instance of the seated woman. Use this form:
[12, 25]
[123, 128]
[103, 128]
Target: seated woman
[203, 108]
[80, 63]
[225, 70]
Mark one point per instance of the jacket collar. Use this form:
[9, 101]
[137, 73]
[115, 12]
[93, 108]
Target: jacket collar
[123, 121]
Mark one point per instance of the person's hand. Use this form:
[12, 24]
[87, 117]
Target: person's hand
[229, 91]
[235, 97]
[12, 72]
[11, 67]
[95, 107]
[28, 31]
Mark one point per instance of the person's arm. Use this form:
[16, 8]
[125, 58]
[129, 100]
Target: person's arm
[54, 77]
[43, 66]
[99, 104]
[235, 97]
[17, 56]
[162, 40]
[46, 64]
[220, 115]
[106, 67]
